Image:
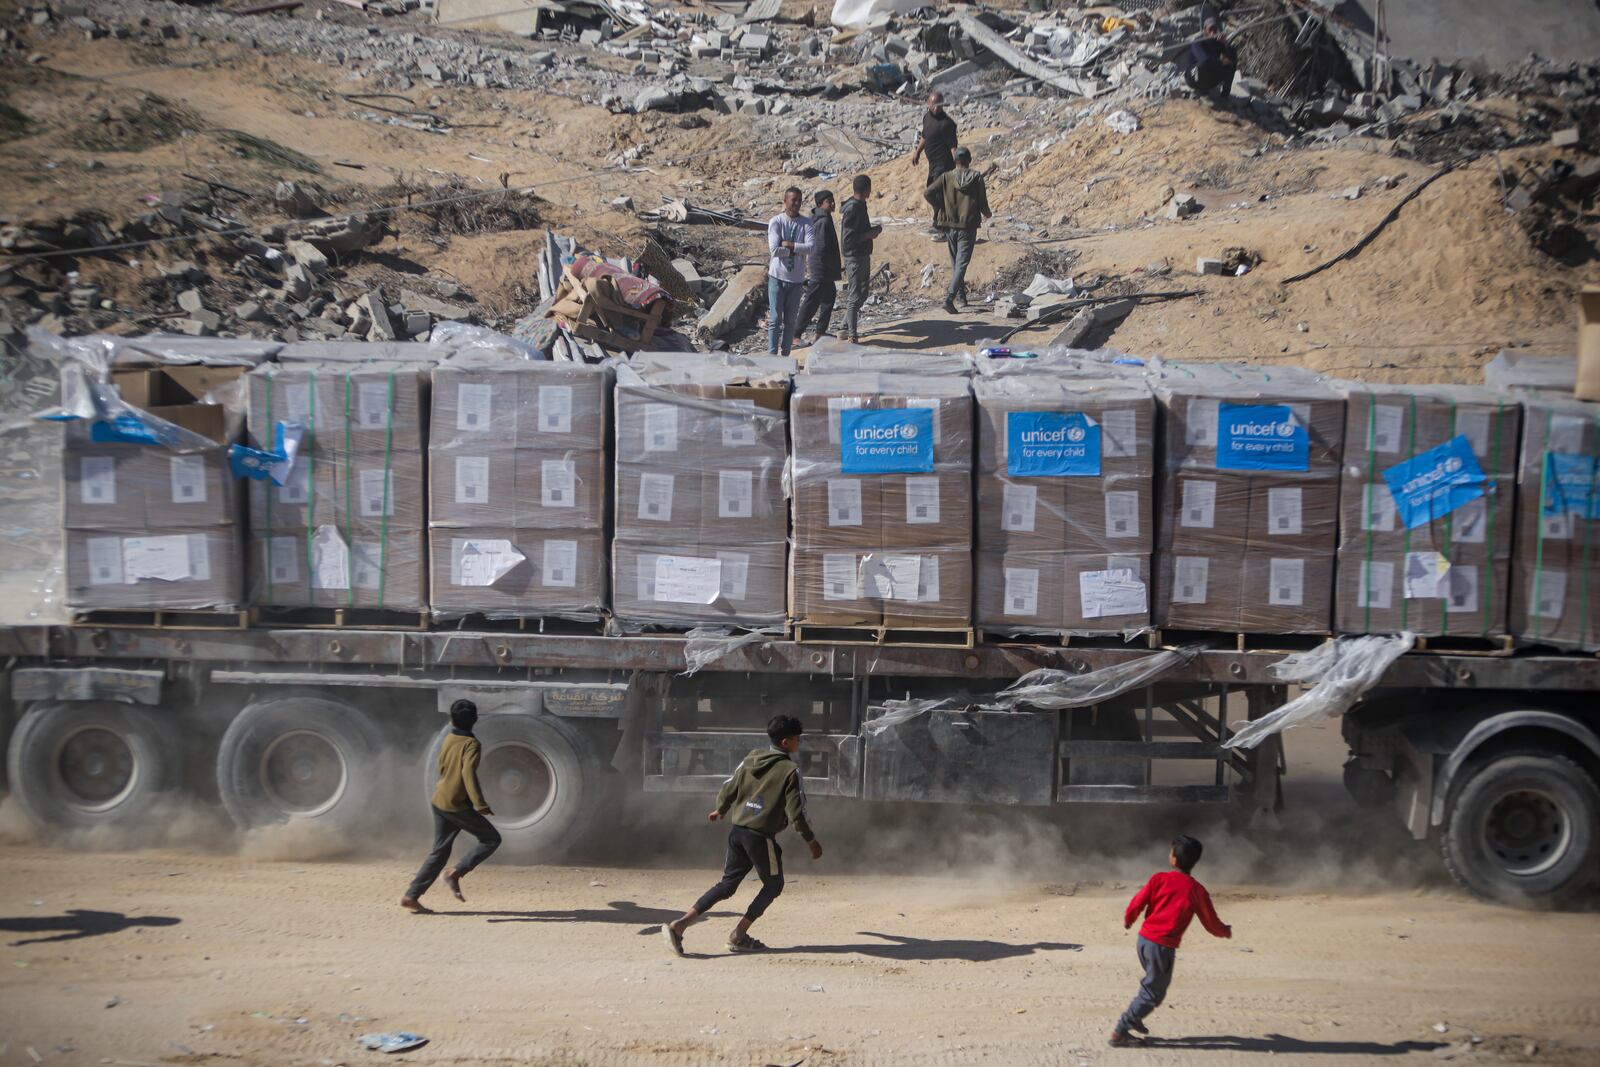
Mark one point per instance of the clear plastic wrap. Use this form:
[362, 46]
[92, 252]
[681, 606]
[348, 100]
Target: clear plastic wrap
[701, 515]
[1060, 361]
[830, 355]
[1555, 594]
[1339, 672]
[704, 645]
[362, 352]
[461, 338]
[1065, 477]
[1524, 370]
[882, 473]
[32, 557]
[518, 485]
[1437, 559]
[1249, 498]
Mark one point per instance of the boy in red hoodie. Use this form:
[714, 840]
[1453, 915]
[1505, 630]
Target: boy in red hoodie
[1168, 900]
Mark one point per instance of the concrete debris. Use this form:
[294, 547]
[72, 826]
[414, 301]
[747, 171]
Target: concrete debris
[1182, 206]
[740, 302]
[1567, 138]
[1209, 266]
[1123, 121]
[296, 201]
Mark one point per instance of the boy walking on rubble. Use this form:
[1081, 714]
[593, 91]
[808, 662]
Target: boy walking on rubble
[1169, 900]
[765, 795]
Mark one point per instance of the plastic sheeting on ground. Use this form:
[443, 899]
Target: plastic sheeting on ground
[859, 14]
[1341, 670]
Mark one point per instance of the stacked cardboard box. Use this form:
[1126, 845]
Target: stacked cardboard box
[345, 530]
[1555, 593]
[154, 526]
[1249, 499]
[883, 501]
[518, 488]
[1426, 510]
[701, 508]
[1065, 480]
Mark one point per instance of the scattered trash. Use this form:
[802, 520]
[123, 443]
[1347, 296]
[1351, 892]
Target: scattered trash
[1441, 1028]
[1123, 121]
[815, 989]
[399, 1041]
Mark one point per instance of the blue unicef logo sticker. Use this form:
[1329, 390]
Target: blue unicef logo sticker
[1571, 484]
[1052, 444]
[1261, 437]
[898, 441]
[1432, 484]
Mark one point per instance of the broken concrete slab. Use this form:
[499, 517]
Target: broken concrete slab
[439, 309]
[376, 312]
[1567, 138]
[740, 302]
[296, 201]
[1206, 265]
[250, 311]
[307, 255]
[191, 300]
[1182, 206]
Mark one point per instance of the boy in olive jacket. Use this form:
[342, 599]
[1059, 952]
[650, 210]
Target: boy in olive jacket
[765, 795]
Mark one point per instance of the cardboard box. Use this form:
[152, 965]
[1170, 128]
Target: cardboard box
[1020, 591]
[826, 588]
[481, 402]
[1588, 383]
[475, 571]
[1555, 591]
[354, 407]
[682, 584]
[195, 569]
[360, 566]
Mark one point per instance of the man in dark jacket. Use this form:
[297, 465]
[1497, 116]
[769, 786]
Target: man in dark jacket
[824, 269]
[458, 805]
[960, 202]
[765, 795]
[856, 234]
[938, 142]
[1212, 63]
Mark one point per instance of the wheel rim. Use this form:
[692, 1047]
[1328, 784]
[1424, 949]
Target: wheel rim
[520, 783]
[303, 773]
[96, 767]
[1527, 832]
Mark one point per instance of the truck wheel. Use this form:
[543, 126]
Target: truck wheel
[91, 764]
[1520, 829]
[542, 778]
[301, 758]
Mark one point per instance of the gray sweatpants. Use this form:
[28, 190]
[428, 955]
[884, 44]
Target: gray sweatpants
[960, 243]
[1158, 961]
[857, 273]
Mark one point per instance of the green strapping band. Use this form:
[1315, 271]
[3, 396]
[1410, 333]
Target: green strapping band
[1538, 551]
[1588, 530]
[311, 486]
[1405, 548]
[271, 488]
[349, 516]
[388, 452]
[1444, 601]
[1487, 580]
[1366, 507]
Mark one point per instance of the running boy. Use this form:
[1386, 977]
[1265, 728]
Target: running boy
[458, 805]
[766, 795]
[1169, 900]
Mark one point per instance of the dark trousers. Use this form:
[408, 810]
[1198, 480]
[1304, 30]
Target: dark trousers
[857, 275]
[817, 303]
[446, 825]
[1157, 961]
[747, 849]
[935, 170]
[960, 243]
[1211, 79]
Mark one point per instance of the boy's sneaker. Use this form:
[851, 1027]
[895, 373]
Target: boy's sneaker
[1138, 1027]
[1120, 1039]
[746, 944]
[674, 939]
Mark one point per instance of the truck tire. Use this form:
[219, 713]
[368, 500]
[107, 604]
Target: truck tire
[302, 758]
[1520, 829]
[81, 765]
[542, 778]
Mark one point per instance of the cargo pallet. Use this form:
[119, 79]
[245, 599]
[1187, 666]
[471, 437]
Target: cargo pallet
[530, 624]
[1497, 645]
[338, 619]
[925, 636]
[164, 619]
[1057, 638]
[1236, 641]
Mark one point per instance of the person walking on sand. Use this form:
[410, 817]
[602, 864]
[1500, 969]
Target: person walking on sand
[458, 805]
[823, 271]
[1169, 900]
[789, 243]
[856, 234]
[765, 795]
[937, 142]
[960, 202]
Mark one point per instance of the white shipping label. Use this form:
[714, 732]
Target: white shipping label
[1376, 587]
[105, 560]
[647, 578]
[1017, 507]
[739, 431]
[199, 558]
[931, 404]
[735, 575]
[558, 483]
[1566, 433]
[1549, 594]
[1427, 576]
[1111, 592]
[660, 428]
[188, 477]
[1557, 527]
[366, 564]
[839, 578]
[472, 479]
[1377, 508]
[1022, 592]
[283, 559]
[482, 561]
[1201, 428]
[1119, 434]
[688, 579]
[1189, 579]
[296, 487]
[555, 408]
[376, 487]
[655, 497]
[1122, 513]
[165, 559]
[1199, 504]
[330, 560]
[736, 494]
[560, 564]
[474, 406]
[372, 405]
[1463, 589]
[837, 404]
[922, 500]
[1283, 511]
[911, 579]
[1286, 582]
[97, 480]
[297, 401]
[1474, 426]
[844, 502]
[1469, 523]
[928, 580]
[1387, 422]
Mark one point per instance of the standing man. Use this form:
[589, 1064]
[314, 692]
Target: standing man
[458, 805]
[938, 143]
[823, 271]
[1212, 63]
[765, 795]
[856, 234]
[960, 202]
[789, 242]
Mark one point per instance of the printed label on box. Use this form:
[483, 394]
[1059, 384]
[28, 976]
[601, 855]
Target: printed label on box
[1261, 437]
[297, 401]
[1111, 592]
[922, 501]
[1432, 484]
[739, 431]
[1119, 434]
[736, 493]
[105, 560]
[1052, 444]
[1470, 523]
[97, 480]
[1200, 430]
[330, 560]
[655, 497]
[560, 563]
[660, 428]
[296, 488]
[1283, 511]
[1199, 504]
[1426, 576]
[165, 559]
[558, 483]
[283, 559]
[1017, 507]
[1189, 579]
[1022, 591]
[474, 406]
[1549, 594]
[1375, 588]
[844, 502]
[372, 405]
[1474, 426]
[836, 406]
[1387, 422]
[483, 561]
[188, 478]
[555, 408]
[1122, 513]
[688, 579]
[839, 578]
[1571, 484]
[376, 487]
[646, 576]
[1463, 585]
[472, 479]
[1565, 433]
[735, 575]
[886, 442]
[1286, 582]
[909, 579]
[366, 564]
[1377, 508]
[1557, 527]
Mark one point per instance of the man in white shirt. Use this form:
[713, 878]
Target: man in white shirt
[789, 242]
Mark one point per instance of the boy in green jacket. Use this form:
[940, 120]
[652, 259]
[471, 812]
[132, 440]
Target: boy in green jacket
[766, 795]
